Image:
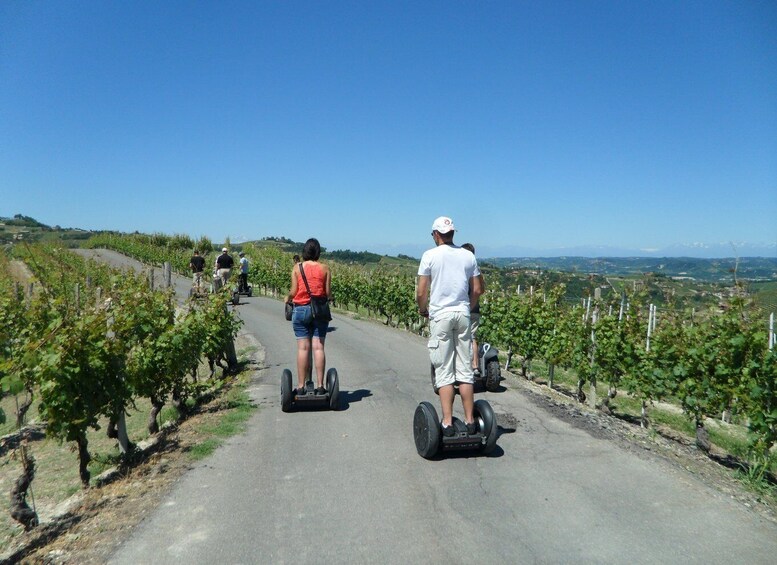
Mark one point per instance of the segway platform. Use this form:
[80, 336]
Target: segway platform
[461, 439]
[290, 399]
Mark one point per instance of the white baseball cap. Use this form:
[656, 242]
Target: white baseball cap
[225, 249]
[443, 224]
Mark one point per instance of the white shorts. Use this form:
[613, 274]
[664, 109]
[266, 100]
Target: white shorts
[450, 350]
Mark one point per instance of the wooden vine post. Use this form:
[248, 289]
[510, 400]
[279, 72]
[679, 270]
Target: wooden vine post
[580, 382]
[643, 421]
[592, 378]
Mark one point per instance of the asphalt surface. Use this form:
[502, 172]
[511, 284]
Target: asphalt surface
[349, 487]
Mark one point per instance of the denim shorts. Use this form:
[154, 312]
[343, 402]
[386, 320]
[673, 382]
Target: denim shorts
[310, 329]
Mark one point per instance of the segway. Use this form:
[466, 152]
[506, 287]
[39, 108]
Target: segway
[247, 291]
[290, 399]
[198, 293]
[429, 439]
[488, 363]
[217, 284]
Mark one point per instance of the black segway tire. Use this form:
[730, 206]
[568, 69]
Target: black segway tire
[426, 430]
[250, 291]
[434, 386]
[333, 388]
[486, 419]
[286, 392]
[235, 298]
[493, 375]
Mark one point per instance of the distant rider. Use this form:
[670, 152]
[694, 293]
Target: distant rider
[474, 320]
[243, 278]
[197, 265]
[224, 264]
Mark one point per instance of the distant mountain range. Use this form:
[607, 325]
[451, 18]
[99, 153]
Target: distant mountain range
[695, 250]
[700, 269]
[698, 261]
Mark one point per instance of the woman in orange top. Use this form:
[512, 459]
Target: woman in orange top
[309, 333]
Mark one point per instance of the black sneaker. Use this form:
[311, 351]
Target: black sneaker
[301, 391]
[472, 428]
[320, 391]
[448, 431]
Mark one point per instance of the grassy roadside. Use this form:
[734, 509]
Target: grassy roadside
[224, 414]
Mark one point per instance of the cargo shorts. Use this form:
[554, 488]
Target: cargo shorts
[450, 348]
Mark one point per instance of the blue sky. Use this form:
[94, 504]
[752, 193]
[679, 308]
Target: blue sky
[539, 127]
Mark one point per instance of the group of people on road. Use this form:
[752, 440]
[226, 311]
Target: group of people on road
[222, 268]
[449, 288]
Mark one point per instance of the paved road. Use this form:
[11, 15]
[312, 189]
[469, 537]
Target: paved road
[348, 486]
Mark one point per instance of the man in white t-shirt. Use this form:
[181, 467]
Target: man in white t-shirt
[445, 276]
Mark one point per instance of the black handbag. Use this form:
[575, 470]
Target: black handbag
[289, 310]
[319, 305]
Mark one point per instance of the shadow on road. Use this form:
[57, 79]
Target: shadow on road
[346, 397]
[481, 387]
[505, 424]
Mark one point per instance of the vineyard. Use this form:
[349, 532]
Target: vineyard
[88, 342]
[716, 361]
[85, 344]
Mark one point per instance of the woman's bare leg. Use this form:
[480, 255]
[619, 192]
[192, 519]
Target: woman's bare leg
[303, 360]
[320, 361]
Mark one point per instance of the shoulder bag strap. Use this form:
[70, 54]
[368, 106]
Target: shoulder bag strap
[305, 279]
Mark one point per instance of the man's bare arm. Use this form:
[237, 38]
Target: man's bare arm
[422, 294]
[477, 287]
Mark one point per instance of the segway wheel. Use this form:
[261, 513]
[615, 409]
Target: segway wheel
[235, 298]
[434, 386]
[426, 430]
[493, 375]
[486, 419]
[191, 292]
[250, 291]
[286, 394]
[333, 388]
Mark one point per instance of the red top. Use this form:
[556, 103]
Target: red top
[316, 278]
